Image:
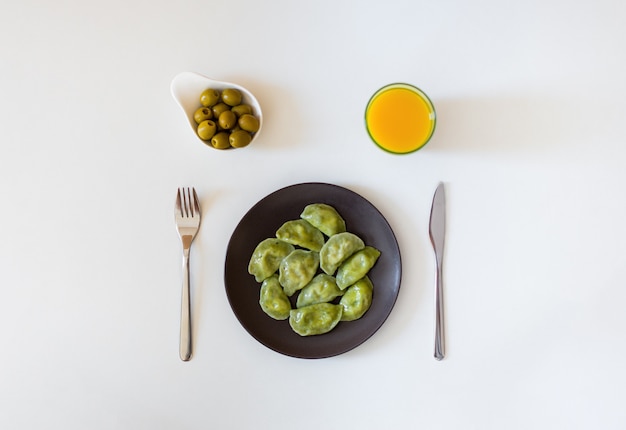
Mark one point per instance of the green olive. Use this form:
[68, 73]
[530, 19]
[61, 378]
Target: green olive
[249, 123]
[231, 96]
[209, 97]
[220, 140]
[239, 139]
[202, 114]
[227, 120]
[206, 129]
[219, 108]
[242, 109]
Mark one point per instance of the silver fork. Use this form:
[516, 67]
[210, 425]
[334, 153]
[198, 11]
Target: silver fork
[187, 223]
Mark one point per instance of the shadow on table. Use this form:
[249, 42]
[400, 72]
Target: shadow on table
[279, 105]
[514, 124]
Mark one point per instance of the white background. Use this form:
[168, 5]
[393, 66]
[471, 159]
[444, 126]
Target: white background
[530, 141]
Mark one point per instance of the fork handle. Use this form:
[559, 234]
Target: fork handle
[185, 312]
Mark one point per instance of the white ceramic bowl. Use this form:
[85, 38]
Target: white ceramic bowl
[186, 88]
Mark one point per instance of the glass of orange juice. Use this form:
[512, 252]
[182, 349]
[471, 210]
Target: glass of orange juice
[400, 118]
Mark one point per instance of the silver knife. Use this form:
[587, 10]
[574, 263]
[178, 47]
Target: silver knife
[437, 231]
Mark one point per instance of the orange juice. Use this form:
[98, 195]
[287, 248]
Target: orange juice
[400, 118]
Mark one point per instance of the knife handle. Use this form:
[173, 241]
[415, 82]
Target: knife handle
[439, 327]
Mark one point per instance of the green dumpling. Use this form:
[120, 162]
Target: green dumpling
[297, 269]
[267, 257]
[356, 266]
[325, 218]
[337, 249]
[273, 299]
[322, 289]
[315, 319]
[357, 300]
[300, 232]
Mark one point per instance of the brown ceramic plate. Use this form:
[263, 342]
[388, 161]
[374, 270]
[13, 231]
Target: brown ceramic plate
[262, 221]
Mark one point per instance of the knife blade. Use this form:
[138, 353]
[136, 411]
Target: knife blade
[437, 231]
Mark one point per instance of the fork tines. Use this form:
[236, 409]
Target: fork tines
[187, 202]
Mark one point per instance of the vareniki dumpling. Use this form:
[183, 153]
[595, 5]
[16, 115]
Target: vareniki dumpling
[297, 269]
[315, 319]
[267, 256]
[300, 232]
[357, 300]
[325, 218]
[356, 266]
[322, 289]
[337, 249]
[273, 299]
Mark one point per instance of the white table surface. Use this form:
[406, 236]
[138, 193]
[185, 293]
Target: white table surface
[531, 143]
